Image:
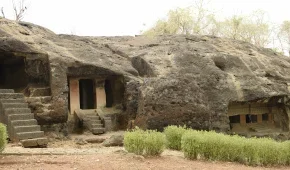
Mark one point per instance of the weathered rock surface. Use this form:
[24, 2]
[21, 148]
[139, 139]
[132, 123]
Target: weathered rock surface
[80, 141]
[199, 76]
[97, 139]
[187, 80]
[114, 140]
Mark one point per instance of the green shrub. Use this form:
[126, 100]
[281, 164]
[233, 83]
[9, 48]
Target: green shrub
[149, 143]
[217, 146]
[154, 143]
[173, 135]
[134, 141]
[3, 137]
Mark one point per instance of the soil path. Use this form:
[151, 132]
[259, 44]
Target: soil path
[113, 161]
[67, 155]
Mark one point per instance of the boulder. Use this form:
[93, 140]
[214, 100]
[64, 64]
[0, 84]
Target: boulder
[95, 139]
[80, 141]
[114, 140]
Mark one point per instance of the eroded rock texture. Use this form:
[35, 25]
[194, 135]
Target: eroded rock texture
[197, 77]
[185, 80]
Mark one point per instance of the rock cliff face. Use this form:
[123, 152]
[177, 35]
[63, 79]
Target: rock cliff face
[197, 78]
[186, 80]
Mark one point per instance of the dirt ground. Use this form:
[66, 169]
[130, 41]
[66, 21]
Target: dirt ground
[67, 155]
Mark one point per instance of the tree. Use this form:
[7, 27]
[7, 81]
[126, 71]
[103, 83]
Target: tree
[254, 28]
[191, 20]
[202, 17]
[231, 27]
[284, 36]
[2, 12]
[214, 26]
[257, 30]
[19, 9]
[179, 21]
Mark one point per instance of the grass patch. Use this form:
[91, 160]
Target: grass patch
[220, 147]
[173, 136]
[148, 143]
[3, 137]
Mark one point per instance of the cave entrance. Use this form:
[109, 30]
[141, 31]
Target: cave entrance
[87, 94]
[105, 93]
[12, 73]
[109, 93]
[258, 117]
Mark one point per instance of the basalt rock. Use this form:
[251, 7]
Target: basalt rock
[174, 79]
[197, 77]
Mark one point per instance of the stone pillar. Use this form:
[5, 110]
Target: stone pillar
[100, 93]
[74, 93]
[259, 118]
[271, 118]
[243, 119]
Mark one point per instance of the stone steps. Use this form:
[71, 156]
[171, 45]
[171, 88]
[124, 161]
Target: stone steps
[30, 135]
[12, 101]
[24, 116]
[32, 128]
[14, 105]
[6, 91]
[24, 122]
[17, 110]
[21, 125]
[96, 121]
[91, 126]
[97, 131]
[96, 126]
[93, 117]
[93, 121]
[11, 96]
[39, 142]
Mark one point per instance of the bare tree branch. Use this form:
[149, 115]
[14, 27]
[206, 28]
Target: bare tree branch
[19, 9]
[2, 11]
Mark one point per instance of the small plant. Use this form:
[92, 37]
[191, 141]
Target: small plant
[154, 143]
[173, 135]
[134, 141]
[149, 143]
[3, 137]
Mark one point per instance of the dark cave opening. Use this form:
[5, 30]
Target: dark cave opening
[114, 89]
[109, 93]
[12, 72]
[87, 97]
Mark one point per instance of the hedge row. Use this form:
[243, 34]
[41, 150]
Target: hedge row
[217, 146]
[209, 145]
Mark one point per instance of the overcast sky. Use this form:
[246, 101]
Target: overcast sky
[127, 17]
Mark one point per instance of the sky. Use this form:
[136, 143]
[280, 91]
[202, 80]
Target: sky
[127, 17]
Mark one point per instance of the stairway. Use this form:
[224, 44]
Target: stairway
[21, 125]
[91, 120]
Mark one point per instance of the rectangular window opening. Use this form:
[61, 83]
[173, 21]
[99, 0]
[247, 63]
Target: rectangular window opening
[235, 119]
